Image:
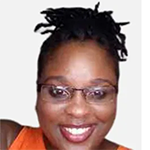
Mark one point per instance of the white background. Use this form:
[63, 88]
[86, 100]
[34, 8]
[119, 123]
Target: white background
[145, 75]
[19, 49]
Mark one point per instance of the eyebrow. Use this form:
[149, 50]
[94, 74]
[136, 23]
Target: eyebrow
[100, 80]
[64, 79]
[58, 78]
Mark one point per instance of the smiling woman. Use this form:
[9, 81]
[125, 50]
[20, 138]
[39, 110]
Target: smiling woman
[77, 83]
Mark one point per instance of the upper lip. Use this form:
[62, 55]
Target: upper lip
[77, 125]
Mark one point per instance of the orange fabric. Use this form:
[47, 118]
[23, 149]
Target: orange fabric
[28, 139]
[122, 148]
[32, 139]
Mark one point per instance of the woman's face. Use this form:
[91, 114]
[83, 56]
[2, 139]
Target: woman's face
[77, 124]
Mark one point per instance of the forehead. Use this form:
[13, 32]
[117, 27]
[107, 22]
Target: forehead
[81, 62]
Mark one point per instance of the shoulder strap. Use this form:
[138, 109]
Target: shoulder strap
[123, 148]
[28, 138]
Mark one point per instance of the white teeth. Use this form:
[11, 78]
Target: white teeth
[77, 131]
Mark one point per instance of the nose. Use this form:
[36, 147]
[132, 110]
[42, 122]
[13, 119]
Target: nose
[78, 107]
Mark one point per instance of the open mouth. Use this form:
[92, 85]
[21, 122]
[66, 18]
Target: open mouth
[77, 134]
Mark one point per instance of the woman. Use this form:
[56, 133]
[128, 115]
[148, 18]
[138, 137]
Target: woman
[77, 84]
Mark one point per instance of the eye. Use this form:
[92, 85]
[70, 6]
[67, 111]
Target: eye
[58, 92]
[98, 94]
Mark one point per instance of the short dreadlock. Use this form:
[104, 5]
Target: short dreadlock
[81, 24]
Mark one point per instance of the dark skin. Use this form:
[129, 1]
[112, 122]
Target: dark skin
[77, 64]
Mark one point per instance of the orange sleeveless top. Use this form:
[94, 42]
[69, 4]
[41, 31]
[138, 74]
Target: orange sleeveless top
[32, 139]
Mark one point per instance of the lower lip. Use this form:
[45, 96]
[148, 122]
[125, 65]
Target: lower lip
[77, 138]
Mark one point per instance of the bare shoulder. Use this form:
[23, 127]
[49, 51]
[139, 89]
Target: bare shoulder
[8, 133]
[107, 145]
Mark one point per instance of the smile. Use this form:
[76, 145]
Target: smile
[77, 134]
[77, 131]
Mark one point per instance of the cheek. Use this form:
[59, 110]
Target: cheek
[48, 113]
[106, 113]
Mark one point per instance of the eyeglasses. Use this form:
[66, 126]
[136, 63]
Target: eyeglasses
[58, 94]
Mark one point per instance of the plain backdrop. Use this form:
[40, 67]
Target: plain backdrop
[145, 75]
[19, 49]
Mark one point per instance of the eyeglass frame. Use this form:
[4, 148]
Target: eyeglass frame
[39, 87]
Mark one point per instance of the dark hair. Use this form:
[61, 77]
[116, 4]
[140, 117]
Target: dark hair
[82, 24]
